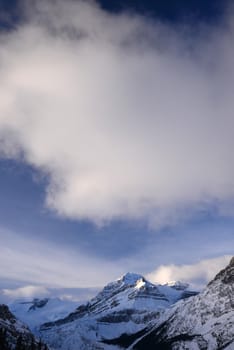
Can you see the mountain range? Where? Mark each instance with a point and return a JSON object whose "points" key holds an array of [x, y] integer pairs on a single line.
{"points": [[132, 313]]}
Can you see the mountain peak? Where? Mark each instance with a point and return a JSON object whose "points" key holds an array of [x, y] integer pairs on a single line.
{"points": [[131, 278], [232, 262], [5, 313], [226, 275]]}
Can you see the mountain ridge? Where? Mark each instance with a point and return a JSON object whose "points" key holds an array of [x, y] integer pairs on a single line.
{"points": [[205, 321], [129, 304], [16, 335]]}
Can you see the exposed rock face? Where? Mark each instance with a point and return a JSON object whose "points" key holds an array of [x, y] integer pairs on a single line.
{"points": [[226, 275], [5, 314], [38, 303], [14, 335]]}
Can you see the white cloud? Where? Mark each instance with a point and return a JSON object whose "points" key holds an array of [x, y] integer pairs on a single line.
{"points": [[8, 295], [26, 292], [197, 274], [122, 115]]}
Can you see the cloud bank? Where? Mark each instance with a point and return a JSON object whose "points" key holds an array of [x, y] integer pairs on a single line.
{"points": [[198, 274], [128, 118]]}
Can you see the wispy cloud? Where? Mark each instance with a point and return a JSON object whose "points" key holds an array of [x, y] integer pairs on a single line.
{"points": [[7, 295], [34, 263], [26, 291], [198, 274], [123, 115]]}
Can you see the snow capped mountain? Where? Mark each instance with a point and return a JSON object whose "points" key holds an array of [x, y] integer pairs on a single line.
{"points": [[205, 321], [35, 312], [16, 335], [132, 313], [127, 305]]}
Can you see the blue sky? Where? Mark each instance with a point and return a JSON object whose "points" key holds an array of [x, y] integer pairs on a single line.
{"points": [[116, 141]]}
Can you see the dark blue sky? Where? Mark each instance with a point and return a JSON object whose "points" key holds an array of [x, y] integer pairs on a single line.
{"points": [[174, 11], [164, 9], [119, 245]]}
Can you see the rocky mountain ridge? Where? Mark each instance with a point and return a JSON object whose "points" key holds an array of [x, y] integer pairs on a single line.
{"points": [[14, 335], [203, 322]]}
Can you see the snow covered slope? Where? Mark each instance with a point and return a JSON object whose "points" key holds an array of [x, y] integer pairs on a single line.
{"points": [[204, 322], [127, 305], [35, 312], [14, 334]]}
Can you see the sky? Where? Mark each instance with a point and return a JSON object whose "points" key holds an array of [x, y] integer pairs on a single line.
{"points": [[116, 142]]}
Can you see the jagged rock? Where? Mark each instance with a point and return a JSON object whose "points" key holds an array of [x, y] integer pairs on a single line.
{"points": [[226, 275]]}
